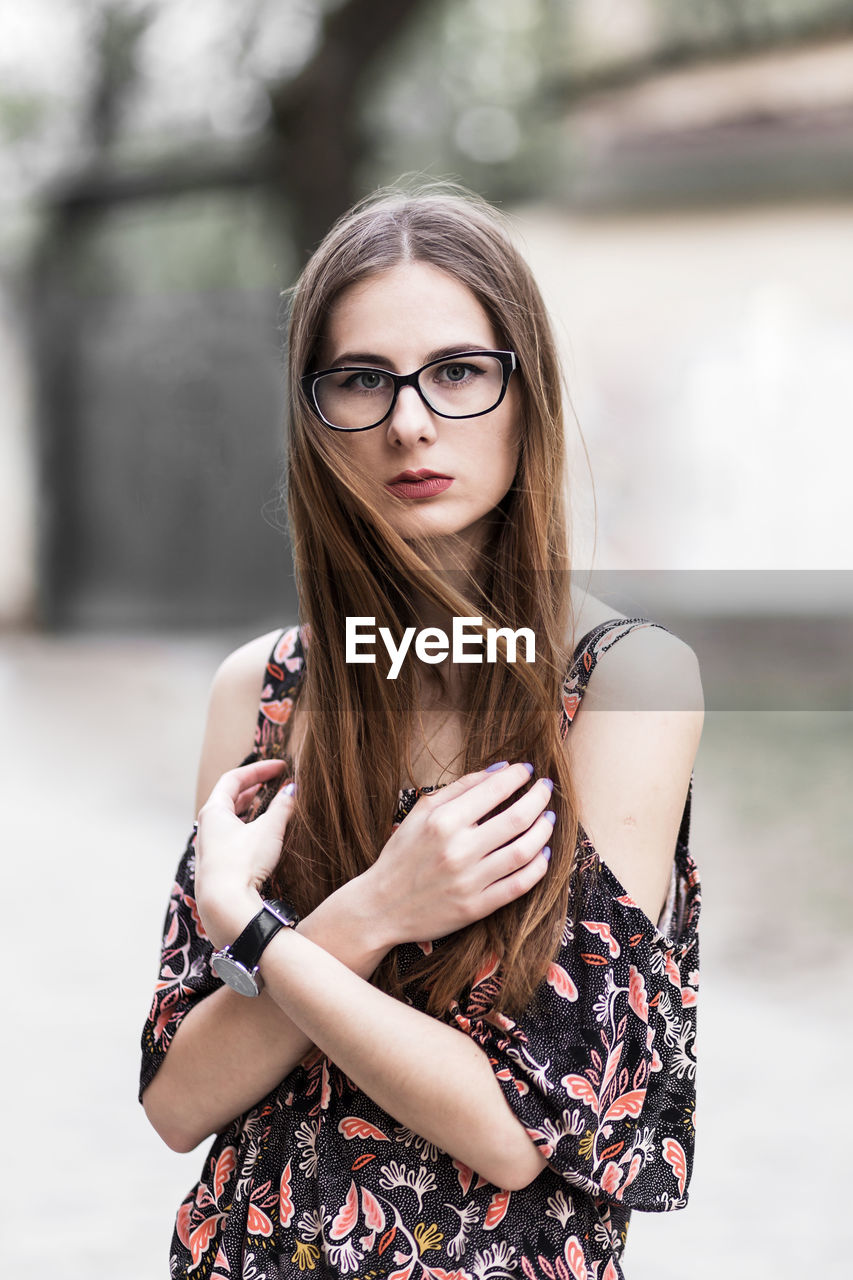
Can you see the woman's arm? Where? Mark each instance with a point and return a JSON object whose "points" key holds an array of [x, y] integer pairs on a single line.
{"points": [[632, 749], [427, 1075], [445, 865], [441, 869], [229, 1052]]}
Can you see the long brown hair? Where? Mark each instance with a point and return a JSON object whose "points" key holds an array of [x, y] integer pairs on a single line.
{"points": [[349, 561]]}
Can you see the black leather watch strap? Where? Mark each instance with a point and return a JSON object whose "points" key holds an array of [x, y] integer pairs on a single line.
{"points": [[248, 948]]}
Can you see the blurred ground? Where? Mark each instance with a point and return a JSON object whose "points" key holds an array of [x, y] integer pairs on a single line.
{"points": [[98, 756]]}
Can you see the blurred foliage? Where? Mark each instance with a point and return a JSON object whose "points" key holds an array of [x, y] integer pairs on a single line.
{"points": [[461, 95], [22, 116]]}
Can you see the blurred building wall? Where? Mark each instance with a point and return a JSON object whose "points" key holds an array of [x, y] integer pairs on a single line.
{"points": [[707, 363]]}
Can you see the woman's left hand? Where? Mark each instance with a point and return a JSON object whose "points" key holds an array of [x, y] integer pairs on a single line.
{"points": [[235, 857]]}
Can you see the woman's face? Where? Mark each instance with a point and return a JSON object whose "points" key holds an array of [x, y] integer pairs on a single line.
{"points": [[400, 320]]}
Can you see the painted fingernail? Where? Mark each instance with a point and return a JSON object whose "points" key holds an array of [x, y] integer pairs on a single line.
{"points": [[289, 789], [546, 853], [548, 783], [493, 768], [530, 769], [550, 815]]}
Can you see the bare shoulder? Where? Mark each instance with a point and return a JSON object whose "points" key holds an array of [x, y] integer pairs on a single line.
{"points": [[632, 745], [232, 711], [649, 669]]}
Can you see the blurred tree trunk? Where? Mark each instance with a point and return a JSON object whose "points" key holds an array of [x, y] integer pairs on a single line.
{"points": [[315, 116], [117, 35]]}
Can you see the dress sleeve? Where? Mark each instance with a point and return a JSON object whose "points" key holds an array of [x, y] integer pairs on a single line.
{"points": [[599, 1068], [185, 975]]}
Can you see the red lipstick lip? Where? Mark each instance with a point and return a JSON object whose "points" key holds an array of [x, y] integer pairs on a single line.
{"points": [[414, 485], [423, 474]]}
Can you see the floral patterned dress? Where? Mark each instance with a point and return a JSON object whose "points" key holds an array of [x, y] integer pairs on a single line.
{"points": [[317, 1181]]}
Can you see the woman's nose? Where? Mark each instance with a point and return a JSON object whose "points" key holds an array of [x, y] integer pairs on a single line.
{"points": [[411, 419]]}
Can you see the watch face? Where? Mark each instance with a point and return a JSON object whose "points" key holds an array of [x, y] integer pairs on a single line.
{"points": [[234, 974]]}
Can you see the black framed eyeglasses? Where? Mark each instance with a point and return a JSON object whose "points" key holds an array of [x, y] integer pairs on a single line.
{"points": [[358, 397]]}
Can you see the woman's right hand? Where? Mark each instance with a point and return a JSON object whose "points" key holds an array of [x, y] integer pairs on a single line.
{"points": [[443, 868]]}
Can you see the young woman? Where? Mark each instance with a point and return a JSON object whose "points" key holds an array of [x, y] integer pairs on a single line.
{"points": [[470, 1051]]}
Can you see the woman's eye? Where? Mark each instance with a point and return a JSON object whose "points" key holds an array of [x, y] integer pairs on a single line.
{"points": [[456, 372], [365, 380]]}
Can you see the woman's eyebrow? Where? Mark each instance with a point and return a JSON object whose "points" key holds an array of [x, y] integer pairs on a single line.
{"points": [[360, 357], [371, 357], [455, 350]]}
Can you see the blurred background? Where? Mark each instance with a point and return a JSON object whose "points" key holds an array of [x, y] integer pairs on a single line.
{"points": [[681, 178]]}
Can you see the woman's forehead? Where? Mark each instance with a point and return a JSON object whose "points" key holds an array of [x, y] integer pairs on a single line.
{"points": [[405, 313]]}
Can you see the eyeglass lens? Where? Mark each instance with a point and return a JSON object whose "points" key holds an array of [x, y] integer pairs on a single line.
{"points": [[357, 398]]}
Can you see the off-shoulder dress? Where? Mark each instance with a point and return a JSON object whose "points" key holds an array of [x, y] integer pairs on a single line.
{"points": [[316, 1180]]}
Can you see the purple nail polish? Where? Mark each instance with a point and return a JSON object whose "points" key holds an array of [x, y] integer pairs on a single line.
{"points": [[493, 768], [548, 783], [550, 815], [530, 769], [290, 788], [546, 853]]}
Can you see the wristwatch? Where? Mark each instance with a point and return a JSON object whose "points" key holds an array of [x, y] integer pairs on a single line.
{"points": [[237, 964]]}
